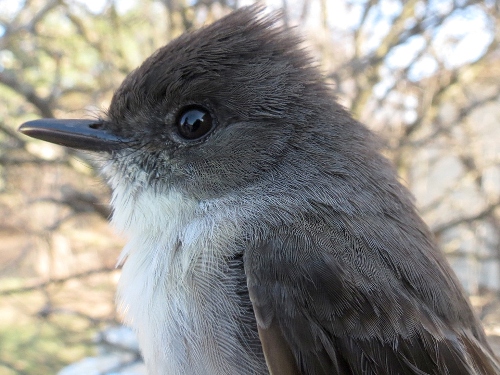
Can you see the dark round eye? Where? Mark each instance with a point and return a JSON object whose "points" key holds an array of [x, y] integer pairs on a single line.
{"points": [[194, 122]]}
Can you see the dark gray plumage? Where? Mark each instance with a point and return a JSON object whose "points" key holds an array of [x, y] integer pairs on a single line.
{"points": [[264, 223]]}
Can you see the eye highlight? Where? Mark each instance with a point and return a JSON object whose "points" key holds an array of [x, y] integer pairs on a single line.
{"points": [[194, 122]]}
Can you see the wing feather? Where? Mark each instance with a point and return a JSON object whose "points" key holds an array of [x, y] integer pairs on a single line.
{"points": [[327, 302]]}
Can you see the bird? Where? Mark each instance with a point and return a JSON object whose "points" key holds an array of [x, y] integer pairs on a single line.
{"points": [[267, 233]]}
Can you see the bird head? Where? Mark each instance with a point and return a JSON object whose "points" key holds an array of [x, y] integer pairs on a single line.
{"points": [[212, 111], [218, 109]]}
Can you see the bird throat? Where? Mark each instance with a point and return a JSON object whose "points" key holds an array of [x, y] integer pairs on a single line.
{"points": [[178, 288]]}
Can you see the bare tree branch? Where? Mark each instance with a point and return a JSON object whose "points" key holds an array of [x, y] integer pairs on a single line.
{"points": [[62, 280], [466, 220], [10, 80]]}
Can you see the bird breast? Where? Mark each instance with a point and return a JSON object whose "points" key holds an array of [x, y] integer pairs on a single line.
{"points": [[179, 290]]}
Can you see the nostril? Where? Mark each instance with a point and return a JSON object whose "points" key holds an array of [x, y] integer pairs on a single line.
{"points": [[97, 125]]}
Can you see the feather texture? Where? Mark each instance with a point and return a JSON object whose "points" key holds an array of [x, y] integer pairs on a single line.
{"points": [[352, 314]]}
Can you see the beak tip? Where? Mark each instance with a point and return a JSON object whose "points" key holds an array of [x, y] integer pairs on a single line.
{"points": [[22, 128], [25, 128]]}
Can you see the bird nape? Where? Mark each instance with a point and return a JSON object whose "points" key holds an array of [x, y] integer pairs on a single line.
{"points": [[267, 234]]}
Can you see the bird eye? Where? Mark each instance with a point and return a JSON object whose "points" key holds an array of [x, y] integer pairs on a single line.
{"points": [[194, 122]]}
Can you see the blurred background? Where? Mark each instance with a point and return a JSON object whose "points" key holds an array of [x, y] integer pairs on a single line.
{"points": [[423, 74]]}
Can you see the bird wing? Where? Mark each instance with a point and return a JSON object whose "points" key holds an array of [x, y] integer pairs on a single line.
{"points": [[322, 307]]}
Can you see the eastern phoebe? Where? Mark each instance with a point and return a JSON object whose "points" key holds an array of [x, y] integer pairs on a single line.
{"points": [[267, 234]]}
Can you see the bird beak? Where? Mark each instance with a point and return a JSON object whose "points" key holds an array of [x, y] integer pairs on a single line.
{"points": [[81, 134]]}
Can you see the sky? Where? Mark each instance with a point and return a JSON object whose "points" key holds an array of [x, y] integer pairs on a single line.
{"points": [[470, 26]]}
